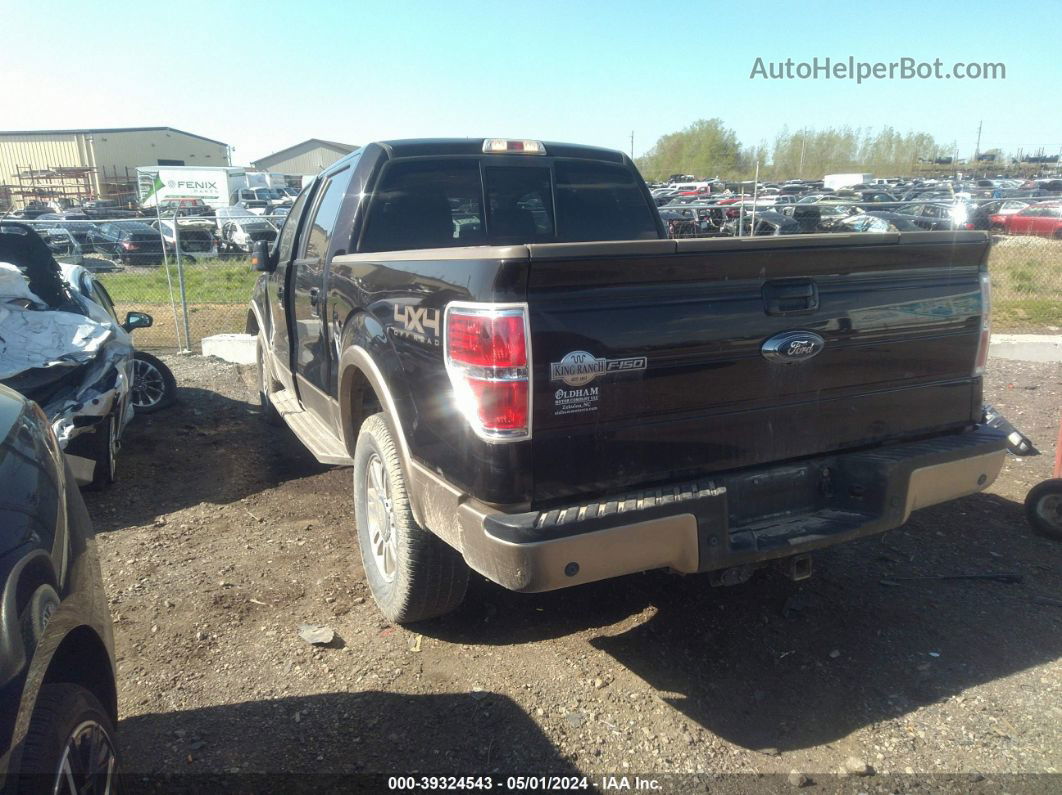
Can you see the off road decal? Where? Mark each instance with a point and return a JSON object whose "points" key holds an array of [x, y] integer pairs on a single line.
{"points": [[418, 323]]}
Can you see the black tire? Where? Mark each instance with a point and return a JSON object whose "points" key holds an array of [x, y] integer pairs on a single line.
{"points": [[269, 411], [424, 577], [105, 452], [66, 720], [154, 387], [1043, 508]]}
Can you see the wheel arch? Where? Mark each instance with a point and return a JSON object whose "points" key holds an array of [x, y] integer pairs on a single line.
{"points": [[364, 391], [82, 659]]}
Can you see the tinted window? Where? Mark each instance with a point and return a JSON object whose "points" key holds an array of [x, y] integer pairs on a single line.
{"points": [[519, 205], [324, 219], [287, 235], [426, 205], [598, 201]]}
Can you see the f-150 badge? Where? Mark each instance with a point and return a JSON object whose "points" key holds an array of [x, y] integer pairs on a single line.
{"points": [[579, 367], [792, 347]]}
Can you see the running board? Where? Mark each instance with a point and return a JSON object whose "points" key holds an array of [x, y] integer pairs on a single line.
{"points": [[313, 433]]}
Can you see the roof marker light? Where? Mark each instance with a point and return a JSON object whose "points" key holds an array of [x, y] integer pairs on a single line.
{"points": [[512, 147]]}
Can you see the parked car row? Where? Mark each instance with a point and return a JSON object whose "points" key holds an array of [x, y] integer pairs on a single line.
{"points": [[707, 216], [141, 241]]}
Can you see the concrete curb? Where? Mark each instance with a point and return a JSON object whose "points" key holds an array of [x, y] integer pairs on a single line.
{"points": [[1026, 347], [235, 348]]}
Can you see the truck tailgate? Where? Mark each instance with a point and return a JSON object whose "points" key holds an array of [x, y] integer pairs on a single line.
{"points": [[649, 364]]}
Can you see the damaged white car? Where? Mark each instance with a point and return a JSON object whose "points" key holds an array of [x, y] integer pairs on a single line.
{"points": [[66, 353]]}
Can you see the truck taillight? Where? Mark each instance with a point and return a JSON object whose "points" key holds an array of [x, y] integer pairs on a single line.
{"points": [[488, 359], [986, 325]]}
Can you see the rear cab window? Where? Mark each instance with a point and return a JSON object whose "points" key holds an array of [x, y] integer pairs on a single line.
{"points": [[469, 201]]}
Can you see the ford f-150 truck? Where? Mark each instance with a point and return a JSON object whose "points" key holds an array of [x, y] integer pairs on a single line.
{"points": [[531, 381]]}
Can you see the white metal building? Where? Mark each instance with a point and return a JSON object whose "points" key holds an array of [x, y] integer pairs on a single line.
{"points": [[91, 163], [307, 159]]}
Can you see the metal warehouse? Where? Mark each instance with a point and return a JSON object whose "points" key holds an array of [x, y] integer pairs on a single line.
{"points": [[71, 165], [309, 158]]}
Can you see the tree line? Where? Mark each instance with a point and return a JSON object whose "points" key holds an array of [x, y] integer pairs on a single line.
{"points": [[707, 148]]}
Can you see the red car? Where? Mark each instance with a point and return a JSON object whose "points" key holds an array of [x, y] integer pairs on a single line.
{"points": [[1043, 219]]}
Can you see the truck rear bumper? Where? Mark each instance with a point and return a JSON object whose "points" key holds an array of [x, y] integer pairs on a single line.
{"points": [[727, 520]]}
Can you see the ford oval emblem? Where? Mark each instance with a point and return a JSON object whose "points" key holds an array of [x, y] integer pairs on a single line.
{"points": [[791, 347]]}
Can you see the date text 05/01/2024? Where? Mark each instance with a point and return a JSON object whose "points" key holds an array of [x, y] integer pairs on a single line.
{"points": [[522, 783]]}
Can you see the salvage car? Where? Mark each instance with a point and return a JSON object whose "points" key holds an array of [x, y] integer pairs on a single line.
{"points": [[604, 400], [762, 223], [73, 221], [1043, 219], [59, 240], [198, 236], [989, 215], [240, 229], [939, 216], [127, 242], [876, 222], [58, 698], [154, 387], [66, 353]]}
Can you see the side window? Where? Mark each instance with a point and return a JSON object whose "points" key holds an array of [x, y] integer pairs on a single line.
{"points": [[426, 204], [286, 241], [324, 218]]}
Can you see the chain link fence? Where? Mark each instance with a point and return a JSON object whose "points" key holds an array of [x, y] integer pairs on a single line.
{"points": [[192, 274], [1026, 274]]}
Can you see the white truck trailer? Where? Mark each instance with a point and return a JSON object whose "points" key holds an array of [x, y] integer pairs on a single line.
{"points": [[211, 184]]}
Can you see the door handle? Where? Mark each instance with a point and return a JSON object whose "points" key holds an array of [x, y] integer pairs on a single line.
{"points": [[790, 297]]}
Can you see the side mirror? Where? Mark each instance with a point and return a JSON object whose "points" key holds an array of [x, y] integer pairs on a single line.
{"points": [[260, 260], [137, 320]]}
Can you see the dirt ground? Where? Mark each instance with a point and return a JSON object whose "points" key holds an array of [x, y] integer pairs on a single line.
{"points": [[223, 536]]}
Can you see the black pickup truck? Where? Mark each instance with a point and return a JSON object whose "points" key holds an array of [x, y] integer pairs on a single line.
{"points": [[530, 380]]}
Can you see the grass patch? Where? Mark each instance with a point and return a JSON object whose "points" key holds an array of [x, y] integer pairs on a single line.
{"points": [[1026, 314], [211, 281], [1026, 283]]}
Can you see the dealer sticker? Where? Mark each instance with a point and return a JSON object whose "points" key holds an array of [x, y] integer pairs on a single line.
{"points": [[575, 401]]}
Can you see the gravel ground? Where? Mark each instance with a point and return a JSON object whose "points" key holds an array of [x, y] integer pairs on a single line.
{"points": [[223, 536]]}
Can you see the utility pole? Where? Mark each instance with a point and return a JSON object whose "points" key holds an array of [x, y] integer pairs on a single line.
{"points": [[803, 143], [632, 144], [977, 149]]}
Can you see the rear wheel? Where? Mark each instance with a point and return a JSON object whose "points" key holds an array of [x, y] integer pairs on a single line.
{"points": [[413, 575], [70, 746], [1043, 508], [154, 386]]}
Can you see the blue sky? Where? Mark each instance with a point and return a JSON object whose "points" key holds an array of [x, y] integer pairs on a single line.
{"points": [[262, 76]]}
